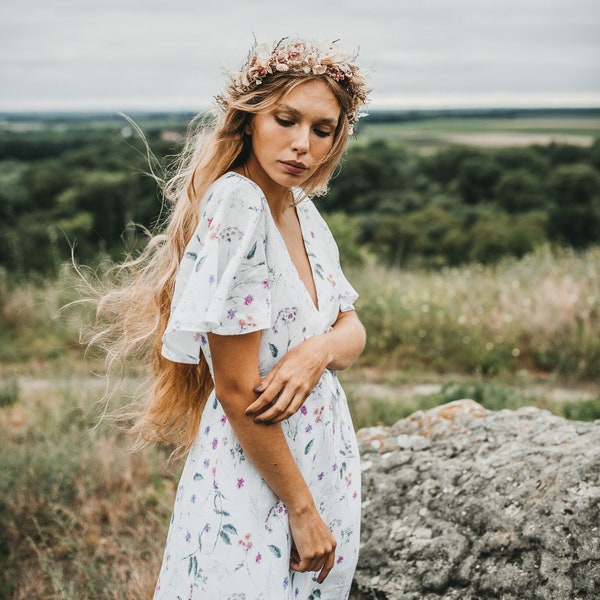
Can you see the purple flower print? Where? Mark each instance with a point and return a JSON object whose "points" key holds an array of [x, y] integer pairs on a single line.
{"points": [[231, 313], [215, 443], [258, 557], [211, 279], [285, 315], [240, 482], [303, 409], [206, 463], [308, 428], [206, 528], [249, 299], [321, 475], [188, 537], [340, 559], [223, 419], [265, 284]]}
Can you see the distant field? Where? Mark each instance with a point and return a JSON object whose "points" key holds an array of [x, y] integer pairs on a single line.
{"points": [[429, 134]]}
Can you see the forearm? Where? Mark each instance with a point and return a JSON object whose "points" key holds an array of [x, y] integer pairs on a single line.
{"points": [[267, 449], [343, 344]]}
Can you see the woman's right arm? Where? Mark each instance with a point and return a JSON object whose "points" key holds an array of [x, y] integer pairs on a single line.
{"points": [[267, 448]]}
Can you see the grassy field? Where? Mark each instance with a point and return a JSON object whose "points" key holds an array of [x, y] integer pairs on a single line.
{"points": [[82, 518], [430, 134]]}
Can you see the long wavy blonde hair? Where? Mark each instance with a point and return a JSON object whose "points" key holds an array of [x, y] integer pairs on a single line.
{"points": [[133, 311]]}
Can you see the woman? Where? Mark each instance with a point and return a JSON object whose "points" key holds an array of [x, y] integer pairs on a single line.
{"points": [[249, 295]]}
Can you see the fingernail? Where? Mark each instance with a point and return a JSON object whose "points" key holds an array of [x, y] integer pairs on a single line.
{"points": [[259, 388]]}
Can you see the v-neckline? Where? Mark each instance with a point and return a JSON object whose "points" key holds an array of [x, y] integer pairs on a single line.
{"points": [[317, 305]]}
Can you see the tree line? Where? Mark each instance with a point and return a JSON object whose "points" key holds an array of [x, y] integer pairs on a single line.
{"points": [[83, 186]]}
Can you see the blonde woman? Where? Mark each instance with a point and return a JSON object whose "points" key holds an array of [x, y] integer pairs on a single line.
{"points": [[250, 316]]}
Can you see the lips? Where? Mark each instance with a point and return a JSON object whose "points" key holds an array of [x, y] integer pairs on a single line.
{"points": [[294, 167]]}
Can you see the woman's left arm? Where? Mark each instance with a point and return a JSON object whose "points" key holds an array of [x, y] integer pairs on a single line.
{"points": [[285, 388]]}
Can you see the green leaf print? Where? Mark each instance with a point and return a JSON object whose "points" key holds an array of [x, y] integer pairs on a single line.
{"points": [[193, 566], [199, 263], [309, 446], [198, 477], [275, 550], [252, 251], [225, 537], [230, 528], [273, 349]]}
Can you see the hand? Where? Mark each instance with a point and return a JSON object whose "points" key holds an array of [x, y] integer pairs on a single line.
{"points": [[313, 547], [286, 387]]}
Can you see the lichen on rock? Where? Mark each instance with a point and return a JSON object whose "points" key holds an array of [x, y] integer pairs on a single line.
{"points": [[463, 502]]}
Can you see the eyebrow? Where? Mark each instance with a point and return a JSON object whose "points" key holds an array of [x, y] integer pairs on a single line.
{"points": [[296, 113]]}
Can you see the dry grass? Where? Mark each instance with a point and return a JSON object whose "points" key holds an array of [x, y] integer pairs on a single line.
{"points": [[540, 313], [81, 518]]}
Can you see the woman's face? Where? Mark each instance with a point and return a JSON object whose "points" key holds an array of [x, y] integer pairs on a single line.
{"points": [[291, 141]]}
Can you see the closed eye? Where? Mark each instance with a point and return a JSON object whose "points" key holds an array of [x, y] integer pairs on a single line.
{"points": [[284, 122], [322, 133]]}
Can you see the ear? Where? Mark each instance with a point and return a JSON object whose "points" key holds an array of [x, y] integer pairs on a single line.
{"points": [[248, 127]]}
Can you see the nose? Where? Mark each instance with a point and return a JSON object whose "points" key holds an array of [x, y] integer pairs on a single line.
{"points": [[301, 140]]}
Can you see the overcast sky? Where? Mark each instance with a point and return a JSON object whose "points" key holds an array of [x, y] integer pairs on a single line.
{"points": [[169, 54]]}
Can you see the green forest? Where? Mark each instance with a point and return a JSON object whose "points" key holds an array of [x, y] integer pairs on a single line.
{"points": [[83, 186]]}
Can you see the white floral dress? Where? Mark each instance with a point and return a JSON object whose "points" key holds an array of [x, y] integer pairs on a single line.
{"points": [[229, 536]]}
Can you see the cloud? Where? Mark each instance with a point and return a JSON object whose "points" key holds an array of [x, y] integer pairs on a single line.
{"points": [[146, 53]]}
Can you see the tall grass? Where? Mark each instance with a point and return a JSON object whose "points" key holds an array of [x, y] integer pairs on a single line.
{"points": [[80, 518], [31, 323], [539, 313]]}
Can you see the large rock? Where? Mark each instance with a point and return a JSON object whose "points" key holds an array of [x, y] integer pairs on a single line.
{"points": [[462, 502]]}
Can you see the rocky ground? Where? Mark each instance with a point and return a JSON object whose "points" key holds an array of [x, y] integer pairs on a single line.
{"points": [[461, 502]]}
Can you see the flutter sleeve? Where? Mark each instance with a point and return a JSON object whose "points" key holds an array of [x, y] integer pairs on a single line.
{"points": [[222, 285]]}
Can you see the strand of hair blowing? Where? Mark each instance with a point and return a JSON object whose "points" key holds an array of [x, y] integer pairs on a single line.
{"points": [[133, 311]]}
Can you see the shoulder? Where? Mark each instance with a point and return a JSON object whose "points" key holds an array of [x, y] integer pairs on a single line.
{"points": [[234, 191]]}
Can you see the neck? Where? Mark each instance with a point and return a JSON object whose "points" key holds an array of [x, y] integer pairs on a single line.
{"points": [[280, 198]]}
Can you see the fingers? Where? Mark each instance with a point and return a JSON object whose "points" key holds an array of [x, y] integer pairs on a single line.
{"points": [[281, 398], [320, 562], [327, 568], [283, 408]]}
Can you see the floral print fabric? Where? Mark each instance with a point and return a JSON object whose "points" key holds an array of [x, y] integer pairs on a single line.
{"points": [[229, 536]]}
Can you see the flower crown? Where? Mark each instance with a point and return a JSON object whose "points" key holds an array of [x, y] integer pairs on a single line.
{"points": [[302, 58]]}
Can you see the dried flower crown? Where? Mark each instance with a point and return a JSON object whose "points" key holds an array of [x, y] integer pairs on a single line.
{"points": [[303, 58]]}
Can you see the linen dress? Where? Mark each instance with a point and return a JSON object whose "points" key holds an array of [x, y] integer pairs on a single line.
{"points": [[229, 536]]}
